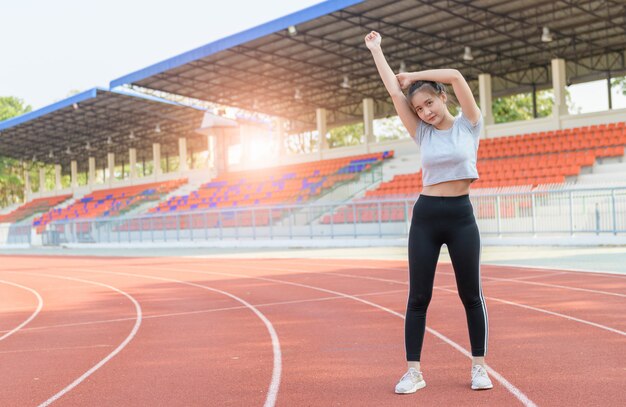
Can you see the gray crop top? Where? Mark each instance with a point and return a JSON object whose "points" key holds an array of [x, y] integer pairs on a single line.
{"points": [[450, 154]]}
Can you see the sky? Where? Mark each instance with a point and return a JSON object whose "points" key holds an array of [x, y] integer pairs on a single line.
{"points": [[51, 48]]}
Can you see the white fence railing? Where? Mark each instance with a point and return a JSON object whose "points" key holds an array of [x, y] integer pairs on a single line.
{"points": [[567, 212]]}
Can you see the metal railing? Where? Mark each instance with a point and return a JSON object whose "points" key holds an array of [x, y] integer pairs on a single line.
{"points": [[567, 212]]}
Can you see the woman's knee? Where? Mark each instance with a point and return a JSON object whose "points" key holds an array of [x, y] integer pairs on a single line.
{"points": [[418, 302], [471, 300]]}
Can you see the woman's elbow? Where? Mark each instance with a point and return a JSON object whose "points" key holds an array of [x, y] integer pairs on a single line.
{"points": [[456, 74]]}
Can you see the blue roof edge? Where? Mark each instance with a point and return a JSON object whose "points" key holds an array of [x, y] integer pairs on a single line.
{"points": [[139, 95], [242, 37], [80, 97]]}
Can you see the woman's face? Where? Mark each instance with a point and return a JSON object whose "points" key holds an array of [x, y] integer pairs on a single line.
{"points": [[430, 107]]}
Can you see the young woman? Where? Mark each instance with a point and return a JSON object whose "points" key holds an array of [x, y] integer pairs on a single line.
{"points": [[443, 212]]}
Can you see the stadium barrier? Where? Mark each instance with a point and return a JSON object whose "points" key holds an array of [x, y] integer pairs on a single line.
{"points": [[540, 213]]}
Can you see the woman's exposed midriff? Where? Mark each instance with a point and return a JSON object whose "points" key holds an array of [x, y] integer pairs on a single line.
{"points": [[448, 188]]}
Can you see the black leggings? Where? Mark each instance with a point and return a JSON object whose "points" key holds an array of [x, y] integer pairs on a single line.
{"points": [[450, 220]]}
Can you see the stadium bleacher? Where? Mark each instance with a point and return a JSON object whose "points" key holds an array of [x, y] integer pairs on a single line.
{"points": [[279, 185], [530, 159], [109, 202], [293, 184], [33, 207]]}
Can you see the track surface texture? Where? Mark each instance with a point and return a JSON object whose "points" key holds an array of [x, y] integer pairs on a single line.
{"points": [[181, 331]]}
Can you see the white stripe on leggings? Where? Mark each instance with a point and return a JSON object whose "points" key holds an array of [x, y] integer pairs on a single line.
{"points": [[480, 286]]}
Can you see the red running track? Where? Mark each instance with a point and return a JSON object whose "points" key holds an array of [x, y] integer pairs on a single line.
{"points": [[78, 331]]}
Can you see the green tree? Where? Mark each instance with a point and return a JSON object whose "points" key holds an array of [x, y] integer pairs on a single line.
{"points": [[11, 106], [349, 135], [520, 106], [389, 128], [11, 183], [619, 83]]}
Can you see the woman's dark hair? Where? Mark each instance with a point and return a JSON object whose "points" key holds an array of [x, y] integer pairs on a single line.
{"points": [[436, 88]]}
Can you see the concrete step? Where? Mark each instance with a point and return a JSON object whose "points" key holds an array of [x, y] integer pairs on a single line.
{"points": [[615, 168], [182, 190], [10, 208], [602, 178], [407, 164]]}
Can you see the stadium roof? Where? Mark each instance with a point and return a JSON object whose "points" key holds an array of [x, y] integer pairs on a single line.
{"points": [[262, 68], [98, 121]]}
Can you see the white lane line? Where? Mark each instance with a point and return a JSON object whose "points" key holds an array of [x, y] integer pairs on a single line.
{"points": [[542, 269], [545, 269], [53, 349], [571, 318], [117, 350], [486, 278], [582, 321], [272, 392], [538, 275], [32, 316], [588, 290], [208, 310], [509, 386]]}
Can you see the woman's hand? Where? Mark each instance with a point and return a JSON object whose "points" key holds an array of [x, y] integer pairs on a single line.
{"points": [[372, 40], [404, 79]]}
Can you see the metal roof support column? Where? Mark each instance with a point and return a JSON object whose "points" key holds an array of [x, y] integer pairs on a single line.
{"points": [[156, 160], [74, 173], [111, 168], [132, 159], [322, 144], [608, 85], [223, 137], [486, 101], [246, 134], [182, 154], [91, 175], [42, 180], [27, 189], [559, 81], [211, 142], [282, 150], [57, 177], [368, 122]]}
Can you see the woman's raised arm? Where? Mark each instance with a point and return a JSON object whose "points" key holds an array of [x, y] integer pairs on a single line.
{"points": [[408, 117]]}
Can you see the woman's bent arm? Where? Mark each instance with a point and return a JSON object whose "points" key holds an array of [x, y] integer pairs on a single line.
{"points": [[461, 88]]}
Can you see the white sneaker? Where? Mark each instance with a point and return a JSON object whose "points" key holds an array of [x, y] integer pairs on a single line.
{"points": [[480, 379], [411, 382]]}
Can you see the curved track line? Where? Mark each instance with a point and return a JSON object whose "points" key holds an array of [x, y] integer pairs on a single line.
{"points": [[490, 278], [509, 386], [571, 318], [31, 317], [272, 392], [582, 321], [205, 311], [121, 346]]}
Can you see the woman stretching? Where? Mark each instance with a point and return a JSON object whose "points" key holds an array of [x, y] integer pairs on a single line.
{"points": [[443, 212]]}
